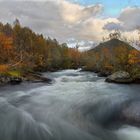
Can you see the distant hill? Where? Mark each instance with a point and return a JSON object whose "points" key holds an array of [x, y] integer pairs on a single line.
{"points": [[112, 55], [111, 45]]}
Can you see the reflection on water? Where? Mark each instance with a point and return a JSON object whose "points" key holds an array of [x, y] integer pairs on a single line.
{"points": [[77, 106]]}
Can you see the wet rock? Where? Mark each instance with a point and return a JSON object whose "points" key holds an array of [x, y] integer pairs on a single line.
{"points": [[137, 80], [119, 77], [15, 80], [104, 74], [35, 77], [6, 79]]}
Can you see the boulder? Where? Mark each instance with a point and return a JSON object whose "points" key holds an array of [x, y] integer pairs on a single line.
{"points": [[137, 79], [35, 77], [119, 77], [6, 79], [15, 80]]}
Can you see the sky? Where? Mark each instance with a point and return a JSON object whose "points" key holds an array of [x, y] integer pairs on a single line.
{"points": [[84, 22], [111, 7]]}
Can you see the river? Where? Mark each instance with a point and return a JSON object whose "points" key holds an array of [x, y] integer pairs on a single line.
{"points": [[76, 106]]}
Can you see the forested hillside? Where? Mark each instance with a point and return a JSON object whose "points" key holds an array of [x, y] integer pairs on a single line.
{"points": [[111, 56], [22, 49]]}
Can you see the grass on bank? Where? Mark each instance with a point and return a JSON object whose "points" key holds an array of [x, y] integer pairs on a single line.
{"points": [[6, 70]]}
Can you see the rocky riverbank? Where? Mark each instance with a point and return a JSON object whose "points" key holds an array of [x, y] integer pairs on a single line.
{"points": [[30, 77], [120, 77], [5, 79]]}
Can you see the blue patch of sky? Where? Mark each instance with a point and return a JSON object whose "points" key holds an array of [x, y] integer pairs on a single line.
{"points": [[111, 7]]}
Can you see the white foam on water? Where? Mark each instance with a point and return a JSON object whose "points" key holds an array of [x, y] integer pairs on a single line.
{"points": [[73, 93], [128, 133]]}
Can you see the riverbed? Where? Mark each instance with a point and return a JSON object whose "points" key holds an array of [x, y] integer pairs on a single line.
{"points": [[76, 106]]}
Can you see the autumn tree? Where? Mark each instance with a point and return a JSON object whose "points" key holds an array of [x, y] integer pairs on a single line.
{"points": [[134, 62], [30, 51], [121, 58]]}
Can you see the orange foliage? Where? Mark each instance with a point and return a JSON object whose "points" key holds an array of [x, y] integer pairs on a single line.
{"points": [[105, 52], [4, 68], [74, 55], [121, 57], [134, 57], [97, 56], [6, 41]]}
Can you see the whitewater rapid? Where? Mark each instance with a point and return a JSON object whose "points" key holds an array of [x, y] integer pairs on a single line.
{"points": [[76, 106]]}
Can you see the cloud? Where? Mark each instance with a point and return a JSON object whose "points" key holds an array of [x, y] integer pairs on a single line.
{"points": [[93, 28], [56, 18], [129, 20], [130, 17], [113, 26], [73, 13]]}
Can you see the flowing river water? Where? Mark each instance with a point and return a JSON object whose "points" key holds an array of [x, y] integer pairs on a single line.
{"points": [[76, 106]]}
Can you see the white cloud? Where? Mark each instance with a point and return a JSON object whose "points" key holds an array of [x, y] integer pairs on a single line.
{"points": [[130, 17], [129, 20], [113, 26], [73, 13], [93, 28]]}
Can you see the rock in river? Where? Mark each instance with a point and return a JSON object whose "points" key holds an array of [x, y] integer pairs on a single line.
{"points": [[119, 77], [104, 73], [5, 79]]}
